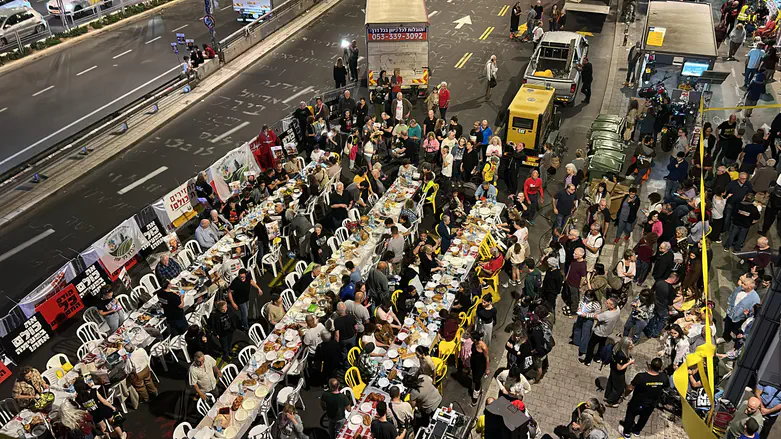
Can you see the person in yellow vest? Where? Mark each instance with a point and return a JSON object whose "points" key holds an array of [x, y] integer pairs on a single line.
{"points": [[491, 170]]}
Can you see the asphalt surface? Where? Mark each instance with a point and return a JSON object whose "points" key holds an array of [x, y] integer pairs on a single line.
{"points": [[53, 97], [265, 93]]}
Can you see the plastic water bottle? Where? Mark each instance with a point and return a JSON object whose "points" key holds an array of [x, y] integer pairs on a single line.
{"points": [[254, 363], [241, 389]]}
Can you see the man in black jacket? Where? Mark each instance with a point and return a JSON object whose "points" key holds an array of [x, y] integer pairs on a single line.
{"points": [[664, 294], [222, 324], [664, 262], [627, 214], [306, 279], [551, 285]]}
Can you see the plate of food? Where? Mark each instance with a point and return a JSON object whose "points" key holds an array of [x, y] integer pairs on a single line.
{"points": [[402, 336], [271, 355], [393, 353], [249, 404], [261, 391], [367, 407], [241, 415], [383, 382], [409, 321], [436, 277], [409, 362], [388, 364], [250, 383], [288, 355], [419, 305], [274, 378], [291, 344]]}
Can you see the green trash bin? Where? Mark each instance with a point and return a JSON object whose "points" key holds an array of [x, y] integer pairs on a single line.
{"points": [[602, 165], [614, 118], [611, 145], [618, 156], [606, 126]]}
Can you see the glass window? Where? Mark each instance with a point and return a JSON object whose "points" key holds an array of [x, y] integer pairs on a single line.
{"points": [[523, 123]]}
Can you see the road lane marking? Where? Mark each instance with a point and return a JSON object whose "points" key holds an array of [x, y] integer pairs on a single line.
{"points": [[179, 28], [226, 7], [461, 62], [123, 53], [85, 71], [229, 132], [304, 91], [26, 244], [3, 109], [503, 11], [153, 40], [43, 91], [143, 180], [462, 21], [433, 13], [486, 33], [81, 119]]}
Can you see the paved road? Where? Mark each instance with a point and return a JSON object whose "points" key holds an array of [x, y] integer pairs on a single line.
{"points": [[53, 97], [265, 92]]}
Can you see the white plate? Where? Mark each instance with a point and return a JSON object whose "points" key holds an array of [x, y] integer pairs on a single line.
{"points": [[261, 391], [383, 382], [402, 336], [273, 337], [241, 415], [408, 363], [409, 321], [424, 341], [292, 344], [430, 294], [419, 305], [436, 277], [289, 355], [461, 270], [387, 364], [456, 241], [393, 353], [274, 377], [474, 248], [433, 327], [235, 388], [455, 284], [271, 355], [356, 419], [249, 404], [230, 432], [307, 300], [367, 407], [206, 433]]}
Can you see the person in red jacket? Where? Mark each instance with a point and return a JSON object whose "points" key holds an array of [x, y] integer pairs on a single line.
{"points": [[261, 148], [444, 100], [535, 195]]}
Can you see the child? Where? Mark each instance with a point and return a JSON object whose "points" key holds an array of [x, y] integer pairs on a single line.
{"points": [[750, 429], [733, 171]]}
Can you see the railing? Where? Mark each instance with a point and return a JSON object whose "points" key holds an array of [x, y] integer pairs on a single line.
{"points": [[16, 42]]}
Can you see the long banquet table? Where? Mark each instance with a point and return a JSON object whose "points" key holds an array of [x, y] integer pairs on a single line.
{"points": [[281, 352]]}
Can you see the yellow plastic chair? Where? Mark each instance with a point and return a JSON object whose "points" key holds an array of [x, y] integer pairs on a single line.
{"points": [[360, 342], [490, 280], [338, 157], [353, 379], [440, 370], [352, 355], [394, 298], [446, 349], [432, 198], [464, 319], [459, 336]]}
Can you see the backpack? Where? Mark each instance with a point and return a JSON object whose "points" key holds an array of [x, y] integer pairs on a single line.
{"points": [[606, 354], [547, 338]]}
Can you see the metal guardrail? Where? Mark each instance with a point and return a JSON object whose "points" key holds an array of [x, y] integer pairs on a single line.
{"points": [[16, 42], [235, 44]]}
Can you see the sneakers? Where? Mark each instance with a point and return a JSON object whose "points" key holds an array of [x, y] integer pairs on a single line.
{"points": [[616, 241], [505, 285], [720, 340], [626, 238]]}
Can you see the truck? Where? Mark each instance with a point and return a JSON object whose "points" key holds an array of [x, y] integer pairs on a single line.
{"points": [[601, 7], [251, 10], [554, 64], [397, 38]]}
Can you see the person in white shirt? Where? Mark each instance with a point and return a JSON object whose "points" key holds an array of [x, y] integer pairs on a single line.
{"points": [[447, 160], [593, 243], [494, 148], [141, 377], [537, 33], [626, 268], [317, 153], [206, 235], [313, 335], [512, 383], [491, 68]]}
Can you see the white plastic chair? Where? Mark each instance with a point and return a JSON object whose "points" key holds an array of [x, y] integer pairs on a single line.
{"points": [[50, 375], [285, 235], [205, 405], [56, 361], [89, 332], [91, 314], [266, 406], [252, 267], [288, 298], [186, 257], [229, 373], [193, 246], [158, 350], [114, 394], [264, 311], [246, 354], [180, 432], [373, 198], [341, 235], [272, 258], [299, 366], [178, 343], [301, 163], [257, 334], [261, 431], [137, 293], [150, 282], [289, 393], [126, 303], [349, 392], [301, 267], [291, 279], [85, 349], [334, 244], [8, 409], [147, 360], [354, 215]]}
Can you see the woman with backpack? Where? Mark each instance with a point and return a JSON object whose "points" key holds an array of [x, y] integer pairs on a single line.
{"points": [[642, 310], [619, 363], [581, 330], [541, 337]]}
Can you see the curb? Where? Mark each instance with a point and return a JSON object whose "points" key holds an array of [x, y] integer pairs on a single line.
{"points": [[60, 179], [13, 65], [618, 38]]}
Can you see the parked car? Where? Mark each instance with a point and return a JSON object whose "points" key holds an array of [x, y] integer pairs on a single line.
{"points": [[13, 4], [554, 64], [76, 8], [24, 21]]}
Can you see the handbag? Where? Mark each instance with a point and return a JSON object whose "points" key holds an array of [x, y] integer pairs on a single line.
{"points": [[492, 82]]}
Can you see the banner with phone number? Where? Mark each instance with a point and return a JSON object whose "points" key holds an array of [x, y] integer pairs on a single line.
{"points": [[396, 34]]}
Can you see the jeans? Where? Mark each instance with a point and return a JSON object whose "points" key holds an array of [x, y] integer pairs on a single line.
{"points": [[243, 319], [560, 219], [727, 217], [641, 272], [670, 186], [638, 324], [656, 324], [226, 342], [334, 426], [595, 341], [534, 206], [736, 237], [581, 333], [623, 227], [442, 112], [114, 320], [635, 410], [749, 76]]}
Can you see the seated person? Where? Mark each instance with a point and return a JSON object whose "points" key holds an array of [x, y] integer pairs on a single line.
{"points": [[488, 268], [385, 315], [368, 336], [446, 233], [449, 327], [424, 239], [275, 310], [233, 211], [405, 303], [486, 190], [28, 385]]}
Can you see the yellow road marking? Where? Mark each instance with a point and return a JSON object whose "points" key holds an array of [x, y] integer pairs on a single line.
{"points": [[460, 64], [486, 33], [503, 11], [277, 280], [584, 31]]}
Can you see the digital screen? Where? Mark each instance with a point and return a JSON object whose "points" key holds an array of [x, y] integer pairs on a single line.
{"points": [[694, 68]]}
